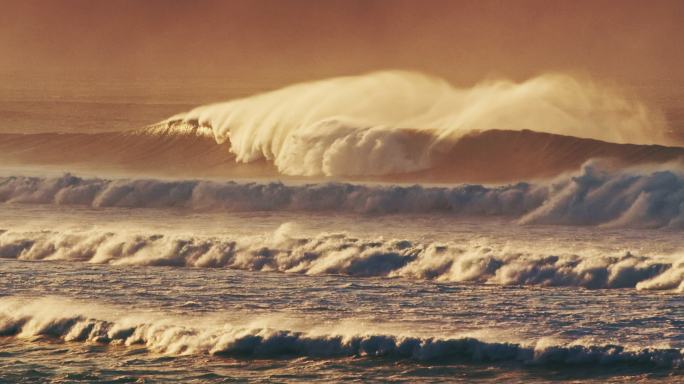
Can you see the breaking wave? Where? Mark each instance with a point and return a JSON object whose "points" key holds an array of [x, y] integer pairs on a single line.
{"points": [[597, 195], [77, 322], [339, 253], [385, 126], [396, 122]]}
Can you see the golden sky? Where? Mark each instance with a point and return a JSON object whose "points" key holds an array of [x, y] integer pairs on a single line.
{"points": [[292, 40]]}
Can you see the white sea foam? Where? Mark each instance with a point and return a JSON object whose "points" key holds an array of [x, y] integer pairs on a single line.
{"points": [[338, 253], [642, 198], [61, 319]]}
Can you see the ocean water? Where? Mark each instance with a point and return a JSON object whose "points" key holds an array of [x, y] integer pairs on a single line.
{"points": [[298, 236], [310, 296]]}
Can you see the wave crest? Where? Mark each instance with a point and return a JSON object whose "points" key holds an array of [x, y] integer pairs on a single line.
{"points": [[397, 122], [598, 195], [67, 321], [339, 253]]}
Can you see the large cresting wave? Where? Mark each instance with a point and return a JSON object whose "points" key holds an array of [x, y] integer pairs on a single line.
{"points": [[396, 122], [386, 126]]}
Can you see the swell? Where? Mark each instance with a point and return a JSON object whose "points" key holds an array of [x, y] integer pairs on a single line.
{"points": [[339, 253], [597, 195], [131, 152], [509, 156], [68, 322], [395, 122], [489, 156]]}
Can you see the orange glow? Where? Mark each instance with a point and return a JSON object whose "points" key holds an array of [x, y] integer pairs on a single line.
{"points": [[286, 41]]}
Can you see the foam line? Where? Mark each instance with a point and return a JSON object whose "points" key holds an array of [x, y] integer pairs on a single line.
{"points": [[338, 253], [59, 319]]}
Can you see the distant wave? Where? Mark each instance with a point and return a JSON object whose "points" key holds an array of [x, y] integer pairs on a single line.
{"points": [[339, 253], [597, 195], [77, 322], [385, 126]]}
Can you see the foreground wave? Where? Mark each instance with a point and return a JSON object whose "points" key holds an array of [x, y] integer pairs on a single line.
{"points": [[338, 253], [598, 195], [60, 319]]}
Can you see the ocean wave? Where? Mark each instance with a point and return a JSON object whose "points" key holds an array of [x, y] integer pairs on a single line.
{"points": [[276, 196], [60, 319], [394, 122], [492, 156], [597, 195], [385, 126], [339, 253], [183, 152]]}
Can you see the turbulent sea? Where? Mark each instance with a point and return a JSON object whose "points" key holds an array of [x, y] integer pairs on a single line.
{"points": [[380, 228]]}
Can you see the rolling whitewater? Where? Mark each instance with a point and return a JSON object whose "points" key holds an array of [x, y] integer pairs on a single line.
{"points": [[382, 227]]}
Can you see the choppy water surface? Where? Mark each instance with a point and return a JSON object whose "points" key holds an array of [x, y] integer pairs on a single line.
{"points": [[388, 227], [319, 297]]}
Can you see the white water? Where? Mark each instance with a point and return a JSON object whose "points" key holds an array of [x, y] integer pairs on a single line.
{"points": [[366, 125], [647, 197], [475, 261]]}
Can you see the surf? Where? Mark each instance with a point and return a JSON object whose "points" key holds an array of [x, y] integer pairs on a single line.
{"points": [[371, 124], [286, 251], [389, 126], [67, 321]]}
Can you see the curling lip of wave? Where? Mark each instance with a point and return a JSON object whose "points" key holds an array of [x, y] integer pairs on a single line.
{"points": [[390, 126], [598, 195], [338, 253], [68, 322], [367, 124]]}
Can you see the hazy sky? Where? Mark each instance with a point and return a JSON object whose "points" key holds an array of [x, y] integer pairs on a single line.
{"points": [[280, 41]]}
